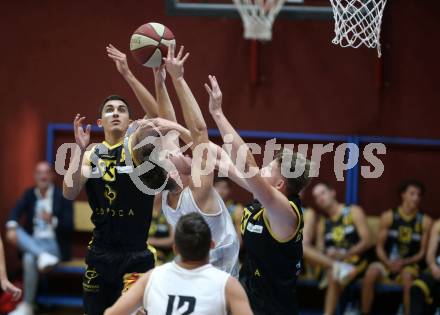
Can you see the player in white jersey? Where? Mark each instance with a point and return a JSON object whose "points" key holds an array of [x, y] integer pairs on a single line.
{"points": [[189, 286], [198, 193]]}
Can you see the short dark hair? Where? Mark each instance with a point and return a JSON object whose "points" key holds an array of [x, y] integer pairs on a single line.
{"points": [[411, 182], [113, 98], [154, 178], [295, 184], [219, 179], [192, 237]]}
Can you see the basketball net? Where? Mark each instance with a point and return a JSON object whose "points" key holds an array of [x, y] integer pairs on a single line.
{"points": [[358, 22], [258, 17]]}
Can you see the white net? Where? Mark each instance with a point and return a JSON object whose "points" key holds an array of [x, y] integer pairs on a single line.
{"points": [[258, 17], [358, 22]]}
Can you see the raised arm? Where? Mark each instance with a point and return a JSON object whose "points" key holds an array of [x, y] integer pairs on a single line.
{"points": [[282, 219], [223, 160], [202, 178], [166, 109], [74, 179], [144, 97]]}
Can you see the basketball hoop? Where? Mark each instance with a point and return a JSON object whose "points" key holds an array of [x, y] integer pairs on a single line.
{"points": [[258, 17], [358, 22]]}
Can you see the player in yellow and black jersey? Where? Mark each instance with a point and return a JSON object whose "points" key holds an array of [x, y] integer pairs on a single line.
{"points": [[271, 226], [344, 236], [121, 212], [401, 245], [425, 291]]}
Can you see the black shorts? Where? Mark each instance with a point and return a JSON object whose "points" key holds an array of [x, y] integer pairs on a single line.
{"points": [[425, 295], [265, 299], [108, 272]]}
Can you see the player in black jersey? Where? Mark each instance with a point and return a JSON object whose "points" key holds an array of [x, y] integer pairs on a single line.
{"points": [[344, 236], [271, 225], [401, 245], [121, 212], [425, 291]]}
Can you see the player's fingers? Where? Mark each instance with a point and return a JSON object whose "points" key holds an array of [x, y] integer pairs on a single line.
{"points": [[216, 85], [208, 89], [186, 57], [80, 121], [88, 128], [75, 120], [211, 80], [171, 51], [179, 55]]}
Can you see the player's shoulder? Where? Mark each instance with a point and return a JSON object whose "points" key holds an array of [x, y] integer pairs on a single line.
{"points": [[387, 216], [356, 210]]}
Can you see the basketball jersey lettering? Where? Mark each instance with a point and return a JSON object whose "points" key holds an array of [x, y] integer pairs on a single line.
{"points": [[188, 301]]}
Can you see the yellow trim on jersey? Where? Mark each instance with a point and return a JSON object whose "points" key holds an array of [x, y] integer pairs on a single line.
{"points": [[111, 147], [425, 289], [406, 217], [153, 250], [267, 223], [338, 216], [258, 214], [130, 149]]}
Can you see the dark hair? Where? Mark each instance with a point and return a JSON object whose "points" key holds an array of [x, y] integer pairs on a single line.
{"points": [[294, 184], [219, 179], [414, 183], [192, 237], [113, 98], [155, 177]]}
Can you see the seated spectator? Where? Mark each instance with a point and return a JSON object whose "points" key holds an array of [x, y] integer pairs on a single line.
{"points": [[161, 234], [425, 291], [345, 237], [314, 259], [48, 223], [401, 245], [4, 281]]}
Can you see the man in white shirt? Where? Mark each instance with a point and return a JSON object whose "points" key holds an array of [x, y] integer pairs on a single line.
{"points": [[189, 285]]}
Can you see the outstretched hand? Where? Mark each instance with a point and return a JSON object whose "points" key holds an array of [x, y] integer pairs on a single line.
{"points": [[82, 137], [12, 289], [174, 64], [215, 95], [120, 60]]}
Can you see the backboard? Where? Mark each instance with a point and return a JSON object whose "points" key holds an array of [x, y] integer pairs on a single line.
{"points": [[292, 9]]}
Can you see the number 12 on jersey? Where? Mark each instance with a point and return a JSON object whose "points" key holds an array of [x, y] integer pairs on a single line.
{"points": [[188, 301]]}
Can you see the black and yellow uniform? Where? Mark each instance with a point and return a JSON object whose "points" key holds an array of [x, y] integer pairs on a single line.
{"points": [[425, 291], [122, 216], [405, 238], [161, 229], [341, 234], [271, 266]]}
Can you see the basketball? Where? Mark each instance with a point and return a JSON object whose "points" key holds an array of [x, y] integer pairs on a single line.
{"points": [[149, 44]]}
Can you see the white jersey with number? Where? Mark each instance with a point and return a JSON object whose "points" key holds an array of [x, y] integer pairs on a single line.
{"points": [[227, 246], [173, 290]]}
